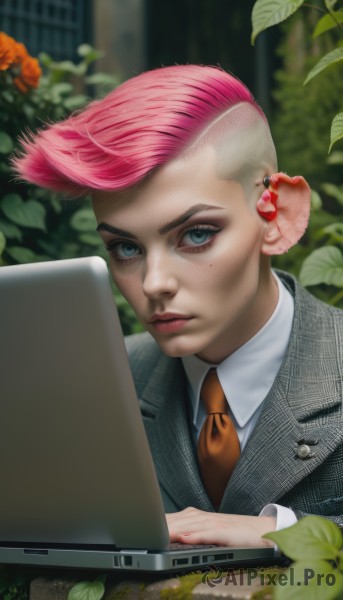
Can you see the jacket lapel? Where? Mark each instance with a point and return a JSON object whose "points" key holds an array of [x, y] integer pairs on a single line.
{"points": [[300, 406], [165, 413]]}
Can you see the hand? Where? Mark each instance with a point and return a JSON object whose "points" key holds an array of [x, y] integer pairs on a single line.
{"points": [[193, 526]]}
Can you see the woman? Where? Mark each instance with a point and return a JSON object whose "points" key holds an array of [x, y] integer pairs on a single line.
{"points": [[183, 175]]}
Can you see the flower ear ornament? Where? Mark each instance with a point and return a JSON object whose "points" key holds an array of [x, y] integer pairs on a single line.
{"points": [[287, 201]]}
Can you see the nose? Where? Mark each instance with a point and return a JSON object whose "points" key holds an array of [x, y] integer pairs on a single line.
{"points": [[159, 278]]}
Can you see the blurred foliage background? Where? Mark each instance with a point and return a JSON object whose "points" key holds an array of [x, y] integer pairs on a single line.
{"points": [[35, 225], [300, 123]]}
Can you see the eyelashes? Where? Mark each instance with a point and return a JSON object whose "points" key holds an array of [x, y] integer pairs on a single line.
{"points": [[200, 237], [196, 238]]}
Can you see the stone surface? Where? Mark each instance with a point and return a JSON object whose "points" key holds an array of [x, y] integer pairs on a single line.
{"points": [[47, 588], [231, 585], [57, 588]]}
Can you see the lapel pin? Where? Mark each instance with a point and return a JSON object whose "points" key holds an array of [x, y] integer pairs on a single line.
{"points": [[303, 448]]}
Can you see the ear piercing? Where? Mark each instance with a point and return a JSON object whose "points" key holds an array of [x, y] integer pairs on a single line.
{"points": [[266, 205]]}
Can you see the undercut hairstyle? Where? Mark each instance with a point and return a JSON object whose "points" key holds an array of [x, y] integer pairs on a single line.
{"points": [[114, 143]]}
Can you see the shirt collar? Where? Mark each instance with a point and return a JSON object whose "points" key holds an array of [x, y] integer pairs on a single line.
{"points": [[247, 374]]}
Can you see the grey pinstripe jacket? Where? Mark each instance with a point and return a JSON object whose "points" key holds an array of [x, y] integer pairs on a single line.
{"points": [[305, 403]]}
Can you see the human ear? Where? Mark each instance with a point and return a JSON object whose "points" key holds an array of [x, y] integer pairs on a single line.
{"points": [[285, 204]]}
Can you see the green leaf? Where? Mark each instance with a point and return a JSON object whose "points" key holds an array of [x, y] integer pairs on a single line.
{"points": [[336, 128], [29, 111], [102, 79], [316, 201], [84, 49], [89, 53], [10, 230], [8, 96], [335, 229], [27, 214], [45, 59], [336, 158], [2, 242], [5, 169], [6, 143], [23, 255], [309, 580], [271, 12], [75, 102], [314, 537], [61, 89], [324, 265], [91, 239], [334, 191], [67, 66], [83, 220], [328, 59], [330, 4], [328, 22], [87, 590]]}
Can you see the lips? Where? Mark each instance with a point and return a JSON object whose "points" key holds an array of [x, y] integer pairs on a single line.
{"points": [[168, 322], [166, 317]]}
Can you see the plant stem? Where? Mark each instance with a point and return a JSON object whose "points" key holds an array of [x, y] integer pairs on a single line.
{"points": [[324, 12]]}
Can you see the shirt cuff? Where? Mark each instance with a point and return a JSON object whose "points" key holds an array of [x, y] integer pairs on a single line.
{"points": [[284, 516]]}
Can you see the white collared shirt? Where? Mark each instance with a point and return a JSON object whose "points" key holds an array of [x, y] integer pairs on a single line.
{"points": [[242, 383]]}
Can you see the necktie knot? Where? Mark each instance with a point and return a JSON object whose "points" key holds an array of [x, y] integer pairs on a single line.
{"points": [[212, 395]]}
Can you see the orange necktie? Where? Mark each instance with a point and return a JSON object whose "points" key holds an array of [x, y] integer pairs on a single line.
{"points": [[218, 446]]}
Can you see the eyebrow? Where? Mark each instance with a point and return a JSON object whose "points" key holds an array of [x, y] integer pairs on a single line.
{"points": [[111, 229], [180, 220]]}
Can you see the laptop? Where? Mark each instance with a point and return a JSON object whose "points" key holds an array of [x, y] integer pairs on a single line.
{"points": [[78, 484]]}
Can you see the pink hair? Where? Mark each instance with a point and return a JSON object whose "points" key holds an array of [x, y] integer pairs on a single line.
{"points": [[115, 142]]}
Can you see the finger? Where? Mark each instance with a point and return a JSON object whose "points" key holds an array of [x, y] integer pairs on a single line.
{"points": [[209, 536]]}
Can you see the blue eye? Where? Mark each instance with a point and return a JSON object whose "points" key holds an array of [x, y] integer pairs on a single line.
{"points": [[126, 250], [123, 250], [198, 236]]}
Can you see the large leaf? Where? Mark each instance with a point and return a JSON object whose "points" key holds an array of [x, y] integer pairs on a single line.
{"points": [[309, 580], [316, 201], [334, 191], [6, 143], [324, 265], [2, 242], [335, 231], [24, 255], [75, 102], [10, 230], [267, 13], [91, 238], [83, 220], [336, 128], [330, 4], [336, 158], [26, 214], [87, 590], [328, 22], [314, 537], [328, 59]]}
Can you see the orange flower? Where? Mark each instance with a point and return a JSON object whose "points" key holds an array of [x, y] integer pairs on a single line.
{"points": [[29, 74], [7, 51], [20, 53]]}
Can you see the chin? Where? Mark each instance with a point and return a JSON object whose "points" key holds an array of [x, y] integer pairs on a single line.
{"points": [[177, 348]]}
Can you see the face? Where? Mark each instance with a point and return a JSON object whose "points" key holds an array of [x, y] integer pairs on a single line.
{"points": [[185, 251]]}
